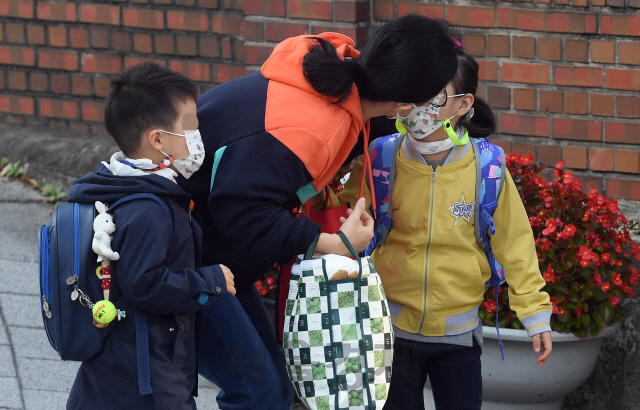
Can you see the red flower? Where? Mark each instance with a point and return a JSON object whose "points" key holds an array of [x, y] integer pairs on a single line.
{"points": [[616, 279], [269, 280], [597, 279], [262, 291], [579, 311], [549, 275], [605, 287], [569, 231], [490, 305], [615, 300]]}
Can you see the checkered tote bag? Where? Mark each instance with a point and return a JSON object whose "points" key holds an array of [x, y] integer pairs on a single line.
{"points": [[338, 337]]}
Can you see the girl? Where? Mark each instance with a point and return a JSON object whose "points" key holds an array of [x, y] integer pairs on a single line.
{"points": [[274, 139], [432, 269]]}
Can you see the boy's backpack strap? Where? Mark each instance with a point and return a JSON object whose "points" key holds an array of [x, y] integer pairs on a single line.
{"points": [[383, 153], [142, 333], [490, 168]]}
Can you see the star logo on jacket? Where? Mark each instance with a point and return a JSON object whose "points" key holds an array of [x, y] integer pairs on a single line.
{"points": [[461, 210]]}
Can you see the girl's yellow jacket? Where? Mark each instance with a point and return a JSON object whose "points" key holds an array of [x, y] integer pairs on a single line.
{"points": [[431, 265]]}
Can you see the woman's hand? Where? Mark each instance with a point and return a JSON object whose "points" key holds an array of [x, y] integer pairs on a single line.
{"points": [[545, 349]]}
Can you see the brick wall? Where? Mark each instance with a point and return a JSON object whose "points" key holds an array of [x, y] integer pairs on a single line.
{"points": [[562, 75]]}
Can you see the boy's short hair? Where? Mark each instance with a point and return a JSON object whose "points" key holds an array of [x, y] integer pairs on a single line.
{"points": [[144, 96]]}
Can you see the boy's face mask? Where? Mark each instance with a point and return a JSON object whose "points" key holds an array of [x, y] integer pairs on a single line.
{"points": [[187, 166]]}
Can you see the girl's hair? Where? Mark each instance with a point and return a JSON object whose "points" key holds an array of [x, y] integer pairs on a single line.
{"points": [[409, 59], [483, 122]]}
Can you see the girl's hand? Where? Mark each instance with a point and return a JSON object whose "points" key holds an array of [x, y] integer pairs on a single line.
{"points": [[358, 227], [545, 349]]}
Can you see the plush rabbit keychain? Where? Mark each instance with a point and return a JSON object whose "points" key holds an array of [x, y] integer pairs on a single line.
{"points": [[103, 227]]}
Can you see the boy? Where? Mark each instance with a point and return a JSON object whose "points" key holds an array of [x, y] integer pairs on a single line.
{"points": [[151, 114]]}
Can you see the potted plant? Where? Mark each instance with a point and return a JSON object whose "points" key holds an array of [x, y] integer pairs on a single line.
{"points": [[590, 264]]}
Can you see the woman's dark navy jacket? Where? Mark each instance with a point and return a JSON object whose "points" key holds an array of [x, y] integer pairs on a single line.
{"points": [[157, 277]]}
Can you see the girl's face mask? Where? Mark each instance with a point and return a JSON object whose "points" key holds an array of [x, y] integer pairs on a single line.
{"points": [[425, 120], [187, 166]]}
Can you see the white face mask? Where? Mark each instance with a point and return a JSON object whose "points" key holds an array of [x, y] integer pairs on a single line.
{"points": [[187, 166]]}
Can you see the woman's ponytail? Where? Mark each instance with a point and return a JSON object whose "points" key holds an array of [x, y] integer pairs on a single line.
{"points": [[327, 73], [482, 123]]}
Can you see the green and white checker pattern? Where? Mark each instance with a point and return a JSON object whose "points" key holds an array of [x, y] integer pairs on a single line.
{"points": [[338, 338]]}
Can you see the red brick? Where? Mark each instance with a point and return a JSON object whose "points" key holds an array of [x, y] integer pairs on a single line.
{"points": [[80, 85], [271, 8], [62, 60], [351, 11], [193, 70], [256, 55], [628, 161], [471, 16], [549, 154], [226, 24], [223, 72], [79, 38], [187, 46], [620, 24], [598, 2], [35, 34], [524, 99], [629, 52], [589, 182], [524, 47], [602, 105], [358, 34], [499, 97], [576, 102], [601, 159], [129, 61], [615, 3], [524, 73], [619, 79], [628, 106], [16, 105], [209, 47], [92, 63], [310, 9], [121, 41], [92, 112], [383, 10], [57, 36], [164, 44], [529, 125], [142, 43], [17, 80], [634, 4], [15, 33], [571, 22], [524, 149], [423, 9], [603, 51], [578, 76], [521, 19], [99, 38], [39, 82], [13, 8], [487, 70], [100, 14], [622, 132], [475, 45], [505, 145], [576, 157], [238, 50], [58, 108], [550, 49], [279, 31], [142, 18], [499, 46], [56, 11], [579, 3], [178, 20], [16, 56], [254, 30], [577, 51], [623, 189], [226, 48], [102, 86], [209, 4], [550, 101], [60, 84], [581, 130]]}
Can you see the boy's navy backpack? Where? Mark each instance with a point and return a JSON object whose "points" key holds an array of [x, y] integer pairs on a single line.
{"points": [[490, 160], [68, 264]]}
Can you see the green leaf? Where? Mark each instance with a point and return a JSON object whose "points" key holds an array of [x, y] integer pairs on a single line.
{"points": [[585, 293], [562, 287], [586, 321], [606, 312], [599, 294]]}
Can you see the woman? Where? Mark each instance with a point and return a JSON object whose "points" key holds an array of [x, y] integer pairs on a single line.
{"points": [[274, 139]]}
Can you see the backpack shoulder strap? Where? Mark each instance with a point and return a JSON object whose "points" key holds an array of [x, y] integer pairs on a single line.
{"points": [[134, 197], [383, 153], [490, 168]]}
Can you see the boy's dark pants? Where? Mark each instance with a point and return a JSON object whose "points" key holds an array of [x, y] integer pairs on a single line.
{"points": [[238, 352], [454, 373]]}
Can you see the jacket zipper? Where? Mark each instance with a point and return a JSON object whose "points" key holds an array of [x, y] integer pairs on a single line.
{"points": [[426, 267]]}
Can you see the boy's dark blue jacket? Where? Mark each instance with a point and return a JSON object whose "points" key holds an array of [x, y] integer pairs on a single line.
{"points": [[155, 276]]}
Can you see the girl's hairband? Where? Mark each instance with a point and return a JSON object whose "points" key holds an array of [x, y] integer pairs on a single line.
{"points": [[456, 42]]}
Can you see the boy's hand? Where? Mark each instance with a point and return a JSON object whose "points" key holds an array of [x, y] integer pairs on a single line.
{"points": [[228, 276], [545, 349], [358, 227]]}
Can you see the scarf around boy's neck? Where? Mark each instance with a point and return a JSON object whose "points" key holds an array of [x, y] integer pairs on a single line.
{"points": [[120, 165]]}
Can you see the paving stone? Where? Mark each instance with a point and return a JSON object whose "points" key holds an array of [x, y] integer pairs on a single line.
{"points": [[9, 393], [32, 343], [19, 277], [15, 191], [4, 336], [34, 399], [39, 374], [6, 362], [21, 310]]}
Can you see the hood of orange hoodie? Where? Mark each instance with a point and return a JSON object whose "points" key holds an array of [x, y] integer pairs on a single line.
{"points": [[320, 133]]}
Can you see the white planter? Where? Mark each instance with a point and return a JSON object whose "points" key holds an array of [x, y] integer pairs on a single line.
{"points": [[518, 383]]}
